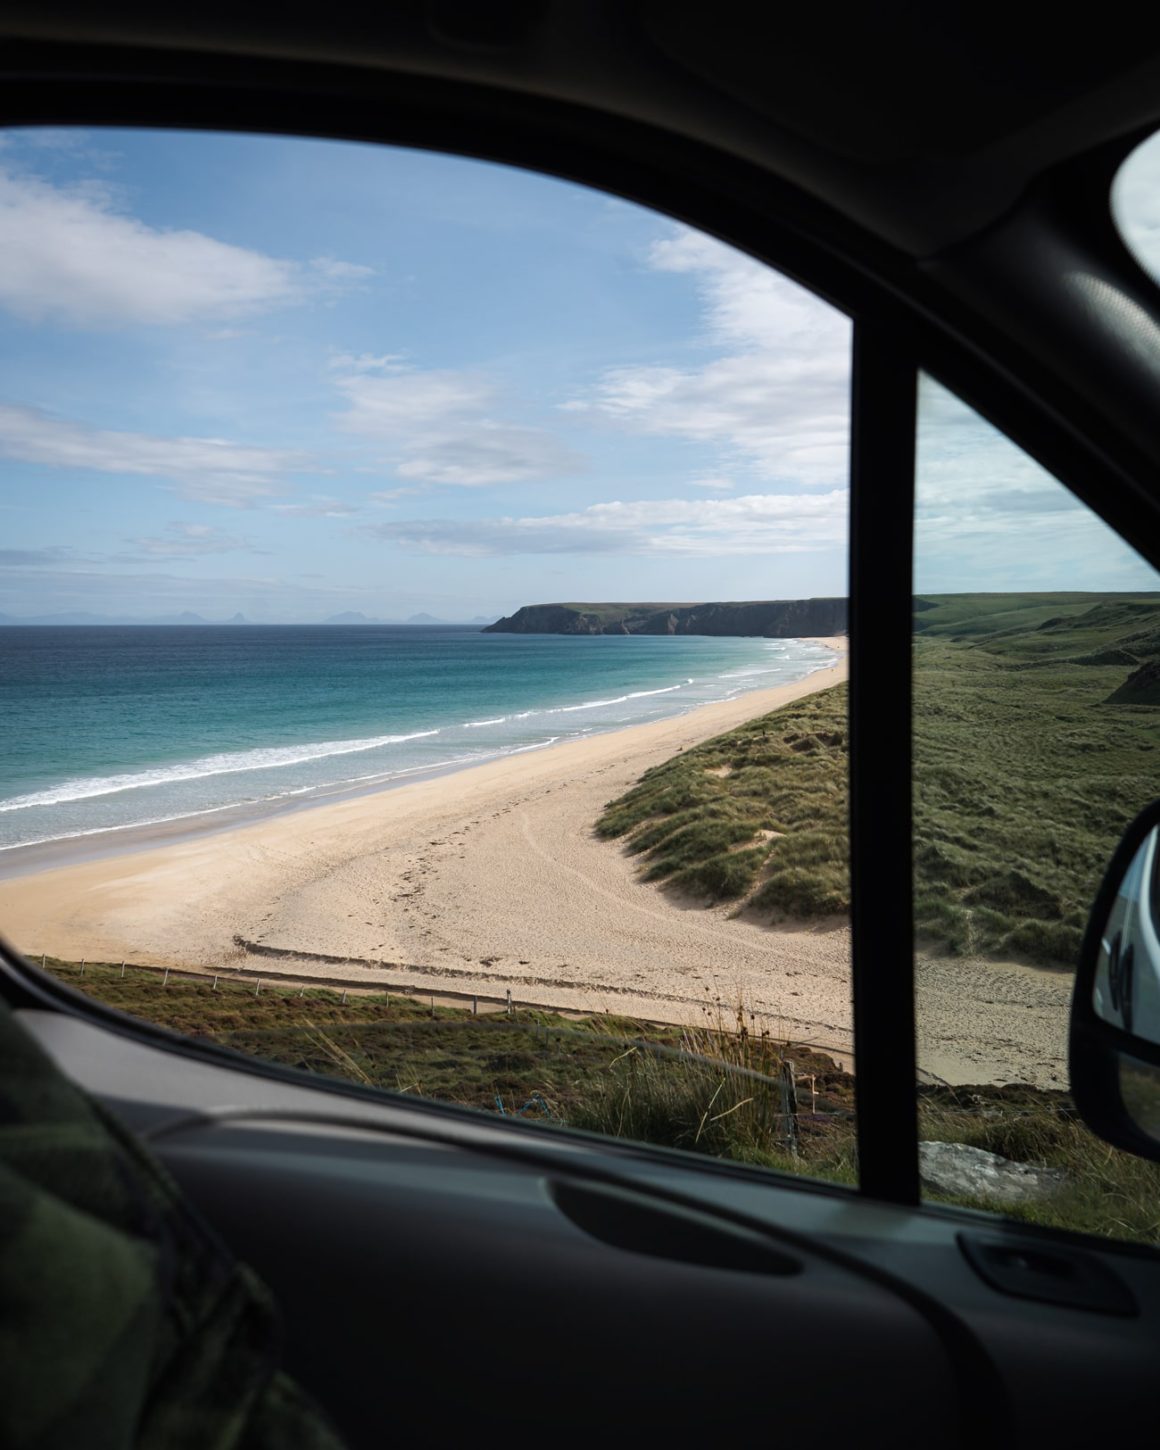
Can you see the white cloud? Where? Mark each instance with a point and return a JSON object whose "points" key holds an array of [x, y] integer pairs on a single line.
{"points": [[335, 270], [365, 362], [987, 516], [67, 254], [182, 540], [438, 428], [317, 506], [212, 470], [968, 473], [387, 400], [752, 524], [714, 485], [392, 495], [481, 453], [776, 399], [748, 304]]}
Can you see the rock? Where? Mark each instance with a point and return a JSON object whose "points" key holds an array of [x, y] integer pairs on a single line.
{"points": [[1142, 687], [964, 1172]]}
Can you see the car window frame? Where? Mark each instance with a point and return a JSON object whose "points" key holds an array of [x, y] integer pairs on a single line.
{"points": [[899, 328]]}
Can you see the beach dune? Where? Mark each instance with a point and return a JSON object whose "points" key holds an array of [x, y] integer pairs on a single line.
{"points": [[489, 880], [486, 880]]}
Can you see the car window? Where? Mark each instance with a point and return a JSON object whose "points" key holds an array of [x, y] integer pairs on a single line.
{"points": [[423, 633], [1154, 884], [1036, 642], [1136, 204]]}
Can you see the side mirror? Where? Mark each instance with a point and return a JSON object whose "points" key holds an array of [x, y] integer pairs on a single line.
{"points": [[1114, 1045]]}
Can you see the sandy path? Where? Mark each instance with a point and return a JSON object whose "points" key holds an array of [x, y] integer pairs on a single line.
{"points": [[984, 1021], [491, 879]]}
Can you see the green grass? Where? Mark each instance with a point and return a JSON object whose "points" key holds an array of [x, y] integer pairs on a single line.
{"points": [[760, 811], [583, 1072], [712, 1089], [1105, 1192], [1030, 760], [1027, 768]]}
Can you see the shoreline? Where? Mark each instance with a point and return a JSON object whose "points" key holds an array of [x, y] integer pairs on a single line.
{"points": [[489, 876], [66, 851], [492, 878]]}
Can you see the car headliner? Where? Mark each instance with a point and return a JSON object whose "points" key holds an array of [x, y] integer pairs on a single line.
{"points": [[923, 123]]}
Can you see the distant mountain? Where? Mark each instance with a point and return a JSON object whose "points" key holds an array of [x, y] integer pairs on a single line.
{"points": [[352, 616], [81, 617], [769, 619], [423, 619], [237, 619], [484, 619]]}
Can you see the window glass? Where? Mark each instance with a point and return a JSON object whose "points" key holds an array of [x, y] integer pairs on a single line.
{"points": [[424, 601], [1136, 204], [1037, 632]]}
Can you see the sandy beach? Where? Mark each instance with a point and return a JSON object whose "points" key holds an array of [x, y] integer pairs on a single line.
{"points": [[492, 879]]}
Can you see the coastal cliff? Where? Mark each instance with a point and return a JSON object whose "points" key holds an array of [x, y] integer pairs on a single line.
{"points": [[771, 619]]}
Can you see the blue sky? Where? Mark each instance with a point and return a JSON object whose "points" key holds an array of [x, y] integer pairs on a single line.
{"points": [[294, 378]]}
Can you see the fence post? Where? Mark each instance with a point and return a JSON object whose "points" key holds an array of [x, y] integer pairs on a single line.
{"points": [[432, 1004], [214, 987], [165, 978], [82, 966], [509, 1001], [475, 1006], [257, 986], [42, 956], [788, 1092], [344, 996], [122, 968]]}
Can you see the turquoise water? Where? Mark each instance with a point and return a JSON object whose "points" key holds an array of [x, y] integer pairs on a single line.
{"points": [[108, 728]]}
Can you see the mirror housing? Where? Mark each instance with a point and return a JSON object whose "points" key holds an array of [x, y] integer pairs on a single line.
{"points": [[1114, 1070]]}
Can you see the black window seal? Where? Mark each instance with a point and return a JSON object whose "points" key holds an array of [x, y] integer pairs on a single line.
{"points": [[883, 416]]}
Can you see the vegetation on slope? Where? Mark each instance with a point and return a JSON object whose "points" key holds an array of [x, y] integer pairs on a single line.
{"points": [[782, 618], [714, 1089], [762, 807], [1029, 762], [1027, 767]]}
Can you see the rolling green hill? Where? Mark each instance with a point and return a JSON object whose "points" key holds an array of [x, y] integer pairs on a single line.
{"points": [[771, 619], [1035, 743]]}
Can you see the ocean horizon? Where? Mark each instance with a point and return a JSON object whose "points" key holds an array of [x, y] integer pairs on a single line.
{"points": [[108, 728]]}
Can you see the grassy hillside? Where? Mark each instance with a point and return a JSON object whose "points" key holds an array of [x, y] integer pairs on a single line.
{"points": [[757, 813], [1029, 765], [712, 1088], [1035, 744]]}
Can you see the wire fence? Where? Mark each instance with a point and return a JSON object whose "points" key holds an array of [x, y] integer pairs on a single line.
{"points": [[795, 1090]]}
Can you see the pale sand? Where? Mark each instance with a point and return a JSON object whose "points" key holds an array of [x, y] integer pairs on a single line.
{"points": [[492, 879]]}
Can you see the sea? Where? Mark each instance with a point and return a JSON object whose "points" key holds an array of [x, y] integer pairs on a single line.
{"points": [[105, 729]]}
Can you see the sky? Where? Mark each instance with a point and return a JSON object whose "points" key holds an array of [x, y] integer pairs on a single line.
{"points": [[294, 378]]}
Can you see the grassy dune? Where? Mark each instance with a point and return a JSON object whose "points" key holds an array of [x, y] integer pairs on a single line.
{"points": [[759, 811], [1035, 744]]}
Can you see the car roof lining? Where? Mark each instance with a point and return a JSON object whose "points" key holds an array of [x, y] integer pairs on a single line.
{"points": [[923, 126]]}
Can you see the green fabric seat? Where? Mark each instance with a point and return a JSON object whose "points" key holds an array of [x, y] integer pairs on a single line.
{"points": [[124, 1321]]}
